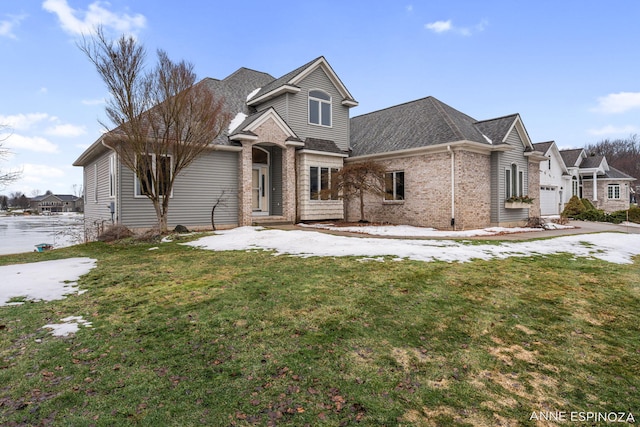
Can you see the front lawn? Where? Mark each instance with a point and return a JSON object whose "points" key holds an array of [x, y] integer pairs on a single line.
{"points": [[182, 336]]}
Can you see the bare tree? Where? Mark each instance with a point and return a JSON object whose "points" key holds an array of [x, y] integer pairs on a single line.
{"points": [[220, 201], [623, 154], [10, 176], [164, 119], [354, 180]]}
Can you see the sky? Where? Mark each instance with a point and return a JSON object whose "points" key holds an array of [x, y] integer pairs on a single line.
{"points": [[569, 68]]}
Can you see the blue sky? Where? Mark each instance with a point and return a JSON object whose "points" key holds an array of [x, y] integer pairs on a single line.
{"points": [[569, 68]]}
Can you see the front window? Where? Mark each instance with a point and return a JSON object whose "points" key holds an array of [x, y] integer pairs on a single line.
{"points": [[514, 182], [394, 185], [112, 175], [319, 108], [153, 169], [613, 191], [320, 183]]}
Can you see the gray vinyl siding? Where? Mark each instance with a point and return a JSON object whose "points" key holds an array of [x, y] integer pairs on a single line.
{"points": [[293, 108], [195, 191], [97, 215], [501, 161]]}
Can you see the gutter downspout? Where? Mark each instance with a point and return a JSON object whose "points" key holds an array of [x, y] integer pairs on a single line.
{"points": [[453, 188]]}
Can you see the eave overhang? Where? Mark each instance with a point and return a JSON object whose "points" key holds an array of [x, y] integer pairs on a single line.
{"points": [[466, 145], [273, 94]]}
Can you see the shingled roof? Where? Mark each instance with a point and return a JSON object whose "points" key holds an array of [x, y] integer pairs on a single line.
{"points": [[542, 147], [422, 123], [570, 157], [235, 89]]}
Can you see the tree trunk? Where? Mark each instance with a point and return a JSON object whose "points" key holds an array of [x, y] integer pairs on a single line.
{"points": [[361, 206]]}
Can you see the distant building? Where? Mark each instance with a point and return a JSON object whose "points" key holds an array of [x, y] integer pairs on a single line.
{"points": [[55, 203]]}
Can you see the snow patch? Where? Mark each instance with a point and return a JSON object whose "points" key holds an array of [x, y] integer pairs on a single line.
{"points": [[252, 94], [70, 325], [237, 121], [45, 280], [411, 231], [612, 247]]}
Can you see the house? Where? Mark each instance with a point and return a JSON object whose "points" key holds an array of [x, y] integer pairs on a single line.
{"points": [[446, 169], [291, 134], [288, 135], [555, 179], [55, 203], [568, 173]]}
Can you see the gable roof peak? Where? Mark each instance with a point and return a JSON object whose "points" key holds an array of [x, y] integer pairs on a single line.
{"points": [[289, 83]]}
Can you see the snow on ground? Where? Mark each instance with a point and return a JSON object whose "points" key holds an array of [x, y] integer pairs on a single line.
{"points": [[612, 247], [410, 231], [46, 280], [70, 325]]}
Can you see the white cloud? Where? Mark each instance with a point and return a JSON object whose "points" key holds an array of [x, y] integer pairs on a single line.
{"points": [[79, 22], [40, 174], [409, 8], [440, 27], [7, 26], [618, 102], [30, 143], [66, 130], [23, 121], [614, 130]]}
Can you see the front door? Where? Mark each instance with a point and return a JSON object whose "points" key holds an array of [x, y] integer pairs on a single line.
{"points": [[259, 190]]}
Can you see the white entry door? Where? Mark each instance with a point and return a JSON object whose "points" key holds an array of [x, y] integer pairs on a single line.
{"points": [[260, 185]]}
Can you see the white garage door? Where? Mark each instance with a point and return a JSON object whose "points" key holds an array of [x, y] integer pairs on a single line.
{"points": [[548, 201]]}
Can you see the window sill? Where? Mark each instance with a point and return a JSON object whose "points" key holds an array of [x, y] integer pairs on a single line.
{"points": [[516, 205], [393, 202]]}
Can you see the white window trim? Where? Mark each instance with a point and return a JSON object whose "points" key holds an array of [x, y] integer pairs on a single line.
{"points": [[394, 184], [95, 183], [611, 188], [514, 181], [112, 176], [137, 187], [320, 101], [331, 171]]}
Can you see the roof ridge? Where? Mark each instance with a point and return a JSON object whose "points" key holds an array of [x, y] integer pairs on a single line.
{"points": [[243, 69], [497, 118], [392, 106], [452, 125]]}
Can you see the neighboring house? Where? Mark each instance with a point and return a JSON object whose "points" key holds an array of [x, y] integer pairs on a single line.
{"points": [[555, 179], [568, 173], [592, 178], [446, 169], [289, 137], [56, 203]]}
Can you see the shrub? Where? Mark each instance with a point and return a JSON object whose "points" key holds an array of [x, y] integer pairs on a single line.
{"points": [[573, 207], [115, 232], [634, 214], [587, 204]]}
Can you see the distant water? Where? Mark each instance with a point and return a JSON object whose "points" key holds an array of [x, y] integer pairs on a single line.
{"points": [[22, 233]]}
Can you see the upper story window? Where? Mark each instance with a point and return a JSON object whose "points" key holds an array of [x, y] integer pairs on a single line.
{"points": [[319, 108]]}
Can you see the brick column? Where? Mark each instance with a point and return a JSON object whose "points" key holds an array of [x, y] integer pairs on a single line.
{"points": [[245, 185], [289, 183]]}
